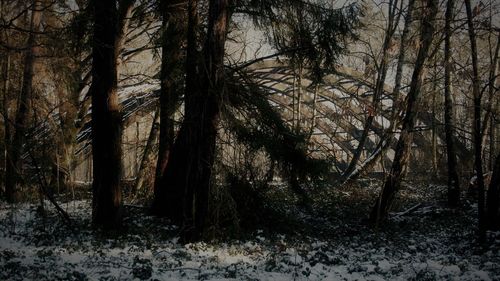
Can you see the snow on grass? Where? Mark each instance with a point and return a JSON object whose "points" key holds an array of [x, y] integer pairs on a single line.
{"points": [[36, 247]]}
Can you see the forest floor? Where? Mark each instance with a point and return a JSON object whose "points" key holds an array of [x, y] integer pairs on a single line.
{"points": [[332, 242]]}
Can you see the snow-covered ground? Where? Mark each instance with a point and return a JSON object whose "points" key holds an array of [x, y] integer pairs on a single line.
{"points": [[36, 248]]}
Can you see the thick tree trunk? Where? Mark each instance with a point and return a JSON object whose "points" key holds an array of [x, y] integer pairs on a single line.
{"points": [[402, 154], [191, 161], [453, 180], [106, 119], [172, 39], [493, 200], [170, 196], [207, 120], [14, 165]]}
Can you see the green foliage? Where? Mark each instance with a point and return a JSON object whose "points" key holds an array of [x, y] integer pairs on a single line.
{"points": [[79, 29], [309, 33], [258, 124]]}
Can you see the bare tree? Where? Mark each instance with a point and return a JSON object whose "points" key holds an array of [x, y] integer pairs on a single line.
{"points": [[477, 137], [387, 138], [14, 155], [402, 154], [392, 24], [453, 181]]}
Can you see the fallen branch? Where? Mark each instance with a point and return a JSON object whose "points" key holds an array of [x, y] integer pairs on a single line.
{"points": [[408, 210]]}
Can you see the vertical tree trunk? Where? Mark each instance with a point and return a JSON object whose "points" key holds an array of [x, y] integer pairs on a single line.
{"points": [[488, 121], [493, 200], [299, 98], [124, 14], [453, 181], [399, 166], [14, 165], [203, 136], [173, 17], [191, 161], [434, 138], [493, 137], [478, 163], [147, 154], [6, 120], [171, 200], [106, 119]]}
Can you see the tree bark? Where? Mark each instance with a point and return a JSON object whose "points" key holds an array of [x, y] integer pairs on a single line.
{"points": [[449, 124], [493, 200], [402, 154], [6, 120], [488, 120], [477, 133], [106, 119], [14, 165], [191, 161], [173, 17], [147, 154]]}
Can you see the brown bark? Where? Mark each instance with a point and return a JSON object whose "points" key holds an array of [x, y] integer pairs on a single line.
{"points": [[170, 197], [453, 180], [14, 165], [401, 158], [191, 161], [125, 8], [106, 119], [477, 137], [173, 17]]}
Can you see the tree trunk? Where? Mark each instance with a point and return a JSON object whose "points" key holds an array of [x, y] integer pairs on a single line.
{"points": [[124, 14], [488, 121], [172, 39], [147, 154], [402, 154], [191, 161], [493, 200], [449, 124], [14, 165], [478, 165], [106, 119], [6, 120]]}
